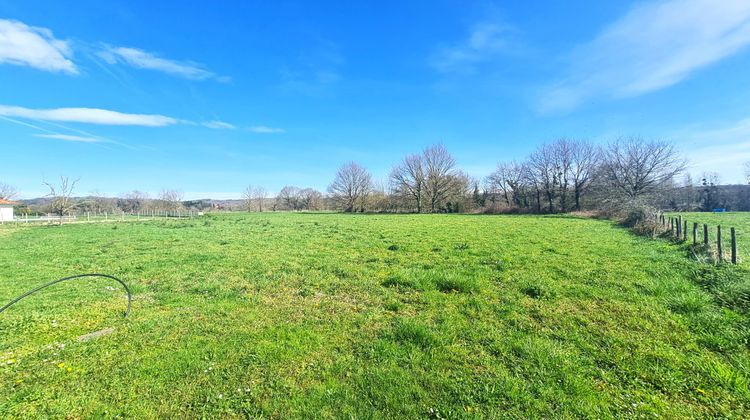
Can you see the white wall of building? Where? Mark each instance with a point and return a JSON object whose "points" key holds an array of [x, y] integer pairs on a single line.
{"points": [[6, 213]]}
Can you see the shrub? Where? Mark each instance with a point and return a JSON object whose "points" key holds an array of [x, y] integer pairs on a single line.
{"points": [[642, 218]]}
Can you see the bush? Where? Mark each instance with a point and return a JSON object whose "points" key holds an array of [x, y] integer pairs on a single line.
{"points": [[642, 218]]}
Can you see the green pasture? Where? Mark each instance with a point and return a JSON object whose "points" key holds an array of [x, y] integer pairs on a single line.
{"points": [[301, 315]]}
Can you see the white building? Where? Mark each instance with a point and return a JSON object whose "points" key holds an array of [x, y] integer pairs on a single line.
{"points": [[6, 210]]}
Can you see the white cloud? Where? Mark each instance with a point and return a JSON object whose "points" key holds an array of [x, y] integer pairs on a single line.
{"points": [[68, 137], [266, 130], [485, 42], [24, 45], [221, 125], [144, 60], [653, 46], [88, 116]]}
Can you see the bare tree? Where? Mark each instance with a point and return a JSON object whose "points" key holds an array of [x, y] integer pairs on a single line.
{"points": [[350, 187], [509, 180], [440, 174], [562, 150], [545, 173], [171, 200], [747, 172], [408, 180], [132, 201], [559, 172], [259, 195], [534, 186], [288, 198], [497, 182], [247, 198], [379, 199], [310, 199], [62, 196], [585, 159], [457, 193], [636, 167], [7, 191], [710, 197]]}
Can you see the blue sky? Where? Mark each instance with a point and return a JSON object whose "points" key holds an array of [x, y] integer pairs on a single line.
{"points": [[208, 97]]}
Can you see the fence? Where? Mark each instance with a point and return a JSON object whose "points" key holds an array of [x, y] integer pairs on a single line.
{"points": [[86, 216], [677, 228]]}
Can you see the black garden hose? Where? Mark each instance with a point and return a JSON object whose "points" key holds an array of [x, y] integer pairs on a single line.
{"points": [[127, 290]]}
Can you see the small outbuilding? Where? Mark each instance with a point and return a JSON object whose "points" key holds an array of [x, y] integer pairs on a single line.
{"points": [[6, 210]]}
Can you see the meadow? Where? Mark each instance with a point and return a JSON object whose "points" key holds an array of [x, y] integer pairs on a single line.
{"points": [[285, 315], [739, 221]]}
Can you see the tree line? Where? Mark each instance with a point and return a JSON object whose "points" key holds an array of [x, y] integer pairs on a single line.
{"points": [[559, 176]]}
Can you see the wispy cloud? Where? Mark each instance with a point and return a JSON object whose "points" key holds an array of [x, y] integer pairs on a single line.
{"points": [[81, 136], [25, 45], [485, 42], [25, 124], [315, 70], [88, 116], [219, 125], [262, 129], [141, 59], [653, 46], [722, 149], [68, 137]]}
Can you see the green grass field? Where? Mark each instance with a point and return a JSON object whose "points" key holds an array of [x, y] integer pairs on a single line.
{"points": [[327, 315], [739, 221]]}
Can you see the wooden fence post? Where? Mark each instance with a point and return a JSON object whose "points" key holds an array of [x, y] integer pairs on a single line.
{"points": [[718, 243], [705, 235], [734, 245], [684, 231], [695, 233], [679, 228]]}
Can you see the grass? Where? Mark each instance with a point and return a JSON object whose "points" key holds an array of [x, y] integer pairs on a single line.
{"points": [[738, 220], [326, 315]]}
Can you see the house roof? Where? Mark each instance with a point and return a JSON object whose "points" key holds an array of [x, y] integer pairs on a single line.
{"points": [[7, 202]]}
